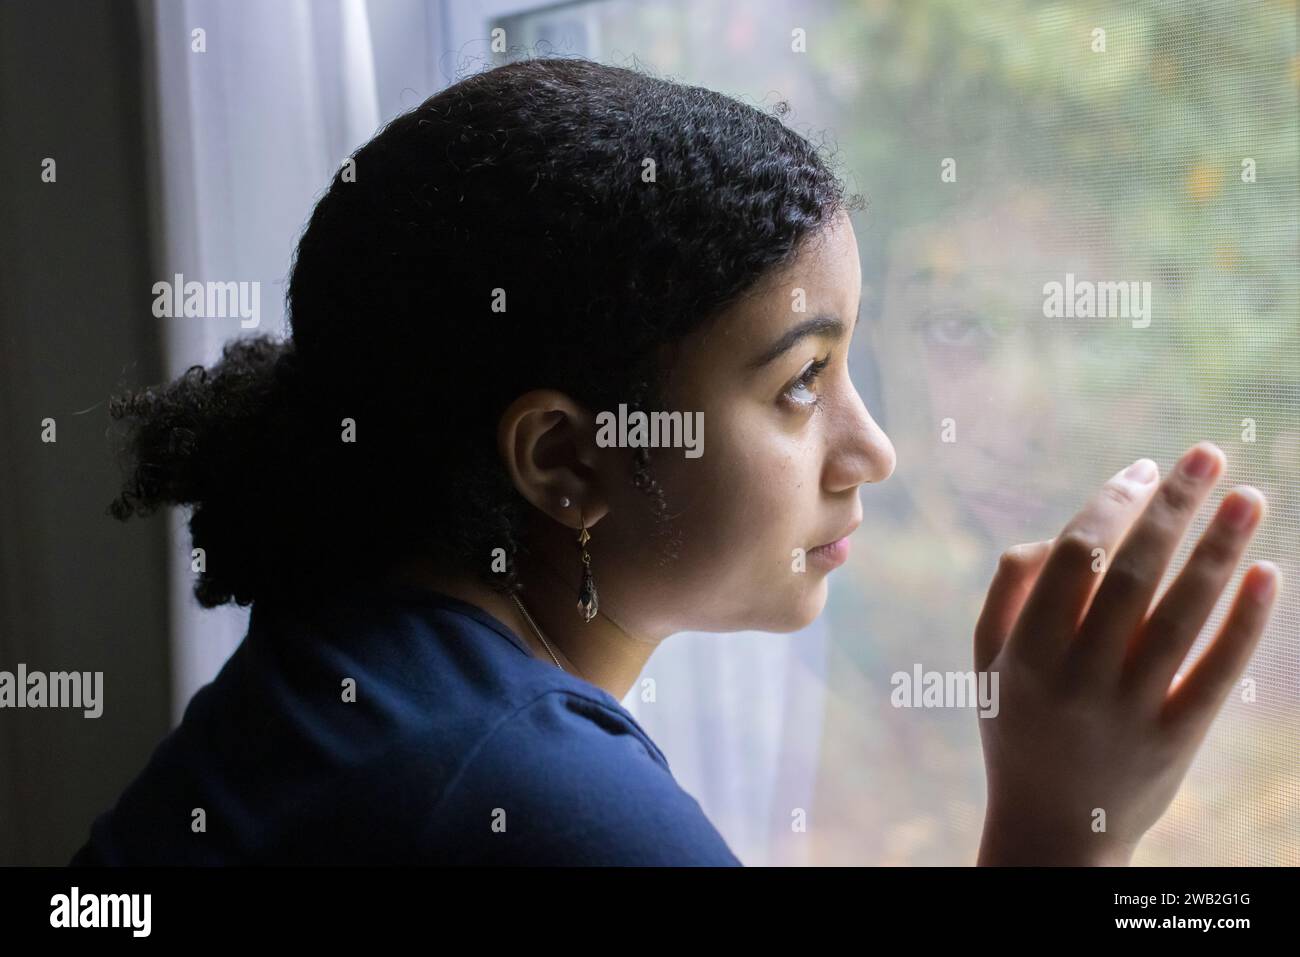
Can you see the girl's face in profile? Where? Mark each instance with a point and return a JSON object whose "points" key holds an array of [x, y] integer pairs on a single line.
{"points": [[787, 441]]}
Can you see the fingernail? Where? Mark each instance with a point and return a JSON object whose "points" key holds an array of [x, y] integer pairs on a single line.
{"points": [[1143, 470], [1239, 508], [1198, 463], [1264, 582]]}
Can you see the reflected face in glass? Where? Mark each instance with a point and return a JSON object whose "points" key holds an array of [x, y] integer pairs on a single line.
{"points": [[787, 443], [962, 310]]}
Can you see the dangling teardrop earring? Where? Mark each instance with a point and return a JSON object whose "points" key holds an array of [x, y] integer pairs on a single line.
{"points": [[588, 601]]}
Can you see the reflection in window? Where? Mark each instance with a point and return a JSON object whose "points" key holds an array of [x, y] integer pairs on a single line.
{"points": [[1169, 159]]}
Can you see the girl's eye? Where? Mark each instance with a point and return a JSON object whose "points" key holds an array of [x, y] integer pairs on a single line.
{"points": [[800, 392]]}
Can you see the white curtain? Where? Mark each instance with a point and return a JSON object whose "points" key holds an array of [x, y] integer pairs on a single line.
{"points": [[255, 112], [251, 130]]}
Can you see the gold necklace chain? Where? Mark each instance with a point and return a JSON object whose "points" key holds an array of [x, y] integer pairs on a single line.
{"points": [[545, 643]]}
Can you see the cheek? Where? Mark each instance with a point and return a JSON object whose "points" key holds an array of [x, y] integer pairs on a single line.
{"points": [[748, 503], [764, 493]]}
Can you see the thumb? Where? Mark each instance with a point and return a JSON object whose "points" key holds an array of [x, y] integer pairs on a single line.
{"points": [[1017, 571]]}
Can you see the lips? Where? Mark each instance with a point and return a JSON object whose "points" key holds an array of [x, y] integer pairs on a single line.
{"points": [[830, 556], [842, 535], [834, 553]]}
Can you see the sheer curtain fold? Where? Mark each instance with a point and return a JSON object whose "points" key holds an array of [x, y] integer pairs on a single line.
{"points": [[258, 104]]}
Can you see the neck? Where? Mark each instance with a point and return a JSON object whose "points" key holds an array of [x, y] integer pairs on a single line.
{"points": [[599, 651]]}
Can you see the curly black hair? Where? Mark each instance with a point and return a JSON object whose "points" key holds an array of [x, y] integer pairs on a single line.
{"points": [[613, 210]]}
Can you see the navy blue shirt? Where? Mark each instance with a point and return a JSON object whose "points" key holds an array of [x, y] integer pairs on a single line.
{"points": [[461, 747]]}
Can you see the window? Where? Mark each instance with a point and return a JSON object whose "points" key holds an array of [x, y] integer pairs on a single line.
{"points": [[1147, 146]]}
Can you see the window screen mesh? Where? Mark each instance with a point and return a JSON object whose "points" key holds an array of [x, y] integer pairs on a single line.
{"points": [[1145, 143]]}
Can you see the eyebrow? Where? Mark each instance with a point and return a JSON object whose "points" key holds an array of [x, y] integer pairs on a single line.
{"points": [[824, 325]]}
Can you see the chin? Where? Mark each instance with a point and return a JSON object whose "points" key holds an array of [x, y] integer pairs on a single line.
{"points": [[802, 608]]}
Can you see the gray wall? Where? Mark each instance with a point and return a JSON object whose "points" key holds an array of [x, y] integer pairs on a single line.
{"points": [[78, 589]]}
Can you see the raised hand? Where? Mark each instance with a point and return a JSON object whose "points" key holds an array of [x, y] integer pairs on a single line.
{"points": [[1090, 741]]}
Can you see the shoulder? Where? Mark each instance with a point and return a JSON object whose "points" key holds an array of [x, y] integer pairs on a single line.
{"points": [[569, 777]]}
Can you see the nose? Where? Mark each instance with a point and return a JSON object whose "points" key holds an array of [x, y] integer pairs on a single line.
{"points": [[859, 451]]}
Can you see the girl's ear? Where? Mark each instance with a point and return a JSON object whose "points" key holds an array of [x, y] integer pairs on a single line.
{"points": [[546, 441]]}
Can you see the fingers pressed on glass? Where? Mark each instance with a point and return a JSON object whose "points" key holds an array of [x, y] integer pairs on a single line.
{"points": [[1134, 571], [1006, 596], [1069, 577], [1168, 634], [1193, 703]]}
